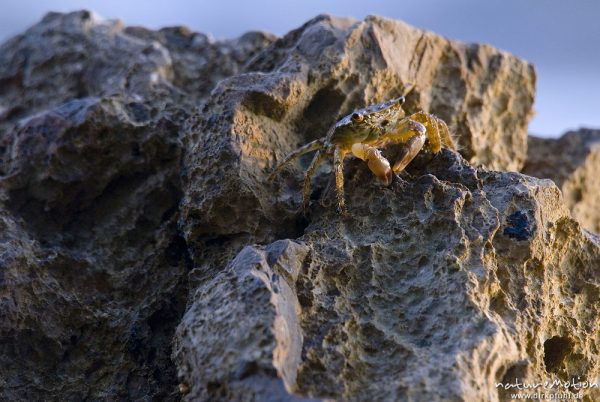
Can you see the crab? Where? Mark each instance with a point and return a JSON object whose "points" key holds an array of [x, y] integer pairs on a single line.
{"points": [[362, 134]]}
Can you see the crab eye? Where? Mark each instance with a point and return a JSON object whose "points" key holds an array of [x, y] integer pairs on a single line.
{"points": [[384, 123], [356, 117], [401, 100]]}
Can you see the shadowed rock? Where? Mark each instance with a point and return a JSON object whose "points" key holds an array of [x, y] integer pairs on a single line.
{"points": [[93, 269], [132, 189]]}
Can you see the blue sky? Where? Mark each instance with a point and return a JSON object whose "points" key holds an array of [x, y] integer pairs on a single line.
{"points": [[561, 38]]}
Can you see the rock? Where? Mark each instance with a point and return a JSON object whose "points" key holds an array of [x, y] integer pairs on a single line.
{"points": [[78, 55], [128, 184], [198, 62], [243, 329], [330, 66], [301, 84], [435, 289], [572, 161], [93, 268]]}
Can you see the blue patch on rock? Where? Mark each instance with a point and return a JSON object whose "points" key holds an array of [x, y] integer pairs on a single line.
{"points": [[518, 226]]}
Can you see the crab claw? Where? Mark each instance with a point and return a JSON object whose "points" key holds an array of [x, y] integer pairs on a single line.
{"points": [[376, 162], [381, 168]]}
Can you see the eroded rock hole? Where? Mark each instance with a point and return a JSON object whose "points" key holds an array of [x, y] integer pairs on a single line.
{"points": [[323, 111], [514, 374], [555, 351], [264, 104]]}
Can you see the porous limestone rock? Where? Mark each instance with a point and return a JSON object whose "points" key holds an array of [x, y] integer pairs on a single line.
{"points": [[297, 87], [93, 276], [127, 184], [330, 66], [93, 268], [573, 162], [435, 289], [78, 55], [243, 329]]}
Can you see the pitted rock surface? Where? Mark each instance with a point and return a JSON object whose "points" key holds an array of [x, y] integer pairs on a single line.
{"points": [[79, 55], [304, 82], [93, 269], [145, 256], [435, 289]]}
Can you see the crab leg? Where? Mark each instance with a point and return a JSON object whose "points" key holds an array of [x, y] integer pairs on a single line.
{"points": [[437, 131], [338, 164], [430, 123], [307, 179], [445, 135], [311, 146]]}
